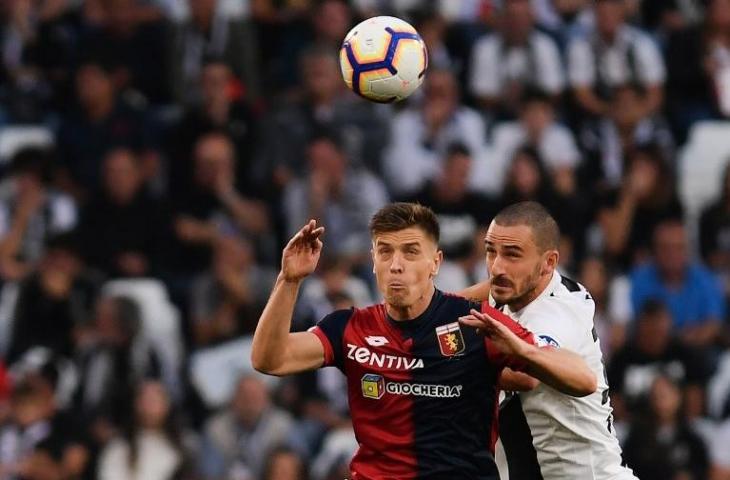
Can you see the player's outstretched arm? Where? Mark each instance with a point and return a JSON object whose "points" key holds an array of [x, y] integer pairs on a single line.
{"points": [[560, 368], [275, 350]]}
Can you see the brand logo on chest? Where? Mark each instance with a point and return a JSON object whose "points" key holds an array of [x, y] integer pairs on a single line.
{"points": [[450, 339], [364, 356]]}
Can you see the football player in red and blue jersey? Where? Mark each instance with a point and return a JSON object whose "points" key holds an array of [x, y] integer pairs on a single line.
{"points": [[422, 386]]}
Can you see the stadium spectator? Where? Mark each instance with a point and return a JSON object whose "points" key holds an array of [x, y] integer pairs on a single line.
{"points": [[152, 445], [52, 301], [31, 211], [629, 213], [714, 227], [698, 54], [609, 140], [209, 32], [123, 231], [103, 120], [285, 464], [336, 193], [213, 206], [538, 127], [653, 351], [517, 57], [237, 440], [322, 104], [227, 299], [221, 107], [692, 293], [615, 54], [664, 435], [421, 136]]}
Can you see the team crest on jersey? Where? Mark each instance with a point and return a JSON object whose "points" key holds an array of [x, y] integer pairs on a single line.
{"points": [[373, 386], [451, 341]]}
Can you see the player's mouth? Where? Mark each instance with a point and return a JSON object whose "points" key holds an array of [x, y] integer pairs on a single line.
{"points": [[396, 286]]}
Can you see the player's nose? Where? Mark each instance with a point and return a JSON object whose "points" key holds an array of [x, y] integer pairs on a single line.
{"points": [[396, 264]]}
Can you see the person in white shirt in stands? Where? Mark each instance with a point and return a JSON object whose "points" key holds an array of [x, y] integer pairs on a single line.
{"points": [[548, 435], [421, 136], [516, 57], [615, 54], [537, 127]]}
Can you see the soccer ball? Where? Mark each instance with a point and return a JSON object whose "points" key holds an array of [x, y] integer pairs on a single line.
{"points": [[383, 59]]}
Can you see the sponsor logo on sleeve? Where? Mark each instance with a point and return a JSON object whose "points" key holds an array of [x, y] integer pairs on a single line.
{"points": [[547, 341]]}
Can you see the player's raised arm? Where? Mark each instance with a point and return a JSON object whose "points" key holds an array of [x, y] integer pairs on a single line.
{"points": [[275, 350], [560, 368]]}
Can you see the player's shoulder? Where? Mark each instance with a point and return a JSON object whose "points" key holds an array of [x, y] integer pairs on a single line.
{"points": [[457, 301], [564, 301]]}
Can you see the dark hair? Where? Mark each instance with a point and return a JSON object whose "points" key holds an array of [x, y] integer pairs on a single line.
{"points": [[535, 95], [34, 160], [401, 215], [172, 427], [544, 228], [457, 148], [284, 450]]}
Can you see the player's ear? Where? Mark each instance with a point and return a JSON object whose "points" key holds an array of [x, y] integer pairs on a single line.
{"points": [[550, 262], [438, 258]]}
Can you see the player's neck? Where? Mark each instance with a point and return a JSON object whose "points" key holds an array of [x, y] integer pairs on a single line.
{"points": [[412, 311]]}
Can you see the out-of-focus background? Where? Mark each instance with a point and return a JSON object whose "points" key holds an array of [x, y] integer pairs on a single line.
{"points": [[156, 154]]}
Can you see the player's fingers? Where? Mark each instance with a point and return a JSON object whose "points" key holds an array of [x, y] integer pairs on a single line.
{"points": [[471, 321]]}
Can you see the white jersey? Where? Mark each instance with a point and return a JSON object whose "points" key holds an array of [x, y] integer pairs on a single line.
{"points": [[549, 435]]}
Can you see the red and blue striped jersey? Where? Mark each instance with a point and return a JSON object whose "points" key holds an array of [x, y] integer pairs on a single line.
{"points": [[423, 393]]}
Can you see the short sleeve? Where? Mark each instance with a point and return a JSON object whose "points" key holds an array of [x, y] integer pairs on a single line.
{"points": [[330, 331], [495, 356], [484, 78], [581, 69], [651, 64]]}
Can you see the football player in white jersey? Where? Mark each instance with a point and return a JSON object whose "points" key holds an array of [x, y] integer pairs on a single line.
{"points": [[547, 434]]}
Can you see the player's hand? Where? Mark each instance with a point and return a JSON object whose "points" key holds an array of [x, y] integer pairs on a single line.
{"points": [[500, 335], [301, 254]]}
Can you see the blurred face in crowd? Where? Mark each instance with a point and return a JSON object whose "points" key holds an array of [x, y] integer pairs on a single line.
{"points": [[233, 252], [718, 14], [250, 400], [321, 75], [568, 7], [285, 465], [517, 20], [670, 250], [665, 399], [593, 277], [202, 10], [653, 331], [516, 264], [94, 86], [524, 175], [152, 405], [107, 323], [405, 263], [536, 116], [215, 79], [455, 176], [441, 89], [327, 159], [331, 21], [609, 17], [122, 178], [32, 403], [645, 173], [214, 160]]}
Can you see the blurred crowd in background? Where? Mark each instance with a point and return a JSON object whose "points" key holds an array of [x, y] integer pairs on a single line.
{"points": [[155, 156]]}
